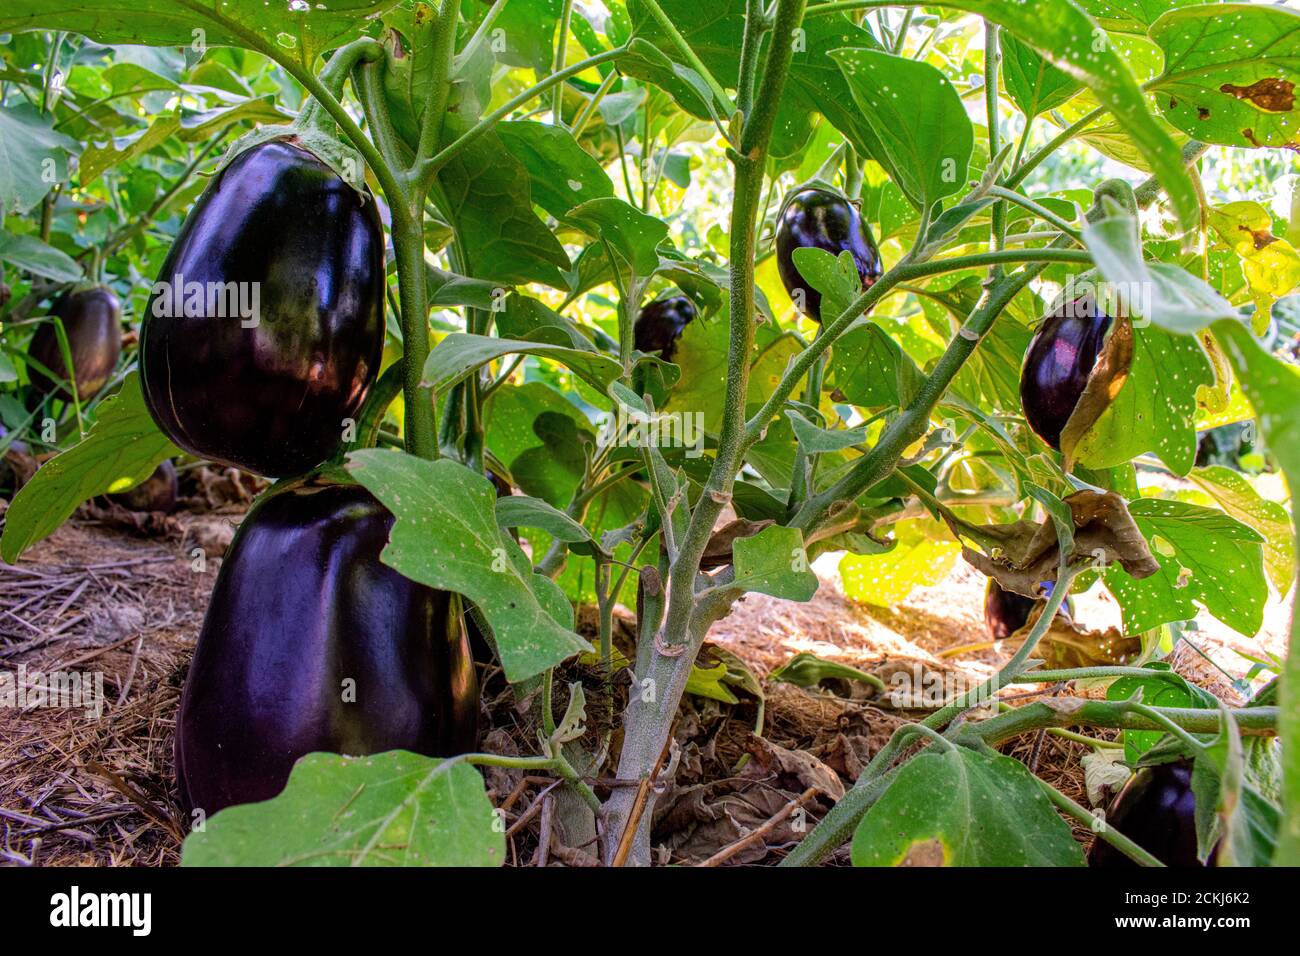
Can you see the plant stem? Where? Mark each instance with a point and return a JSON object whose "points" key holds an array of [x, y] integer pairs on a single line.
{"points": [[665, 657], [1055, 143], [561, 45], [688, 54], [1104, 832], [1010, 195], [992, 69]]}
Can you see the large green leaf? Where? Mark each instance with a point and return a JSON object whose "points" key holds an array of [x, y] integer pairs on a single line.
{"points": [[122, 450], [1238, 497], [633, 235], [304, 28], [918, 117], [871, 370], [962, 808], [1070, 40], [563, 173], [30, 254], [1231, 71], [446, 536], [487, 192], [392, 809], [33, 157], [1222, 566]]}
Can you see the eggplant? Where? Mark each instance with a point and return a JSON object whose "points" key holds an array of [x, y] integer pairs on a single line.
{"points": [[310, 643], [92, 321], [815, 218], [263, 376], [660, 325], [158, 492], [1156, 809], [1006, 612], [1058, 364]]}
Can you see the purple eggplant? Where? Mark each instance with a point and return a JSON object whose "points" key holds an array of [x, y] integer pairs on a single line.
{"points": [[312, 644], [92, 321], [1061, 357], [266, 326], [660, 325], [1156, 809], [816, 218]]}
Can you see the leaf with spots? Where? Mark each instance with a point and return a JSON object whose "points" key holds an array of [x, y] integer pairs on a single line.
{"points": [[1155, 410], [391, 809], [1230, 73], [446, 536], [1238, 497], [1216, 562], [963, 808]]}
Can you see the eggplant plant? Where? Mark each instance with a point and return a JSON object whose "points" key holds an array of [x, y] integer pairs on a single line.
{"points": [[716, 290]]}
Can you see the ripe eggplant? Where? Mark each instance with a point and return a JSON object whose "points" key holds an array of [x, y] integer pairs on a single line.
{"points": [[660, 325], [1156, 810], [265, 329], [158, 492], [820, 219], [312, 644], [1061, 359], [1006, 612], [92, 321]]}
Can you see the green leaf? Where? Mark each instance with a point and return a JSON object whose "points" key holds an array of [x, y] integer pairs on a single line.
{"points": [[962, 808], [1155, 410], [122, 450], [30, 254], [392, 809], [634, 236], [487, 192], [920, 558], [774, 562], [563, 173], [1033, 84], [33, 157], [809, 670], [460, 353], [1069, 39], [1238, 497], [446, 536], [917, 115], [1223, 561], [305, 30], [521, 511], [1163, 688], [1164, 294], [817, 441], [710, 682], [835, 277], [871, 370], [1230, 75]]}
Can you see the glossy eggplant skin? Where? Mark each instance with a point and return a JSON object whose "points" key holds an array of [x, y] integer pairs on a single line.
{"points": [[660, 325], [268, 393], [92, 321], [1061, 356], [158, 492], [820, 219], [312, 644], [1156, 810]]}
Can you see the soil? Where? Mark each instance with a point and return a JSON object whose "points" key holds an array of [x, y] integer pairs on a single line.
{"points": [[125, 599]]}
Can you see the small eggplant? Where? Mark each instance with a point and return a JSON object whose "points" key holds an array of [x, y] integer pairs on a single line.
{"points": [[660, 325], [92, 321], [816, 218]]}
